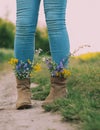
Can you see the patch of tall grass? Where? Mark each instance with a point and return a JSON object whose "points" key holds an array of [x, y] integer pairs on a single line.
{"points": [[82, 104], [89, 56], [5, 55]]}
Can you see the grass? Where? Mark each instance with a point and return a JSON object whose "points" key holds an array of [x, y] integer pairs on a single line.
{"points": [[41, 78], [83, 102], [5, 55], [89, 56]]}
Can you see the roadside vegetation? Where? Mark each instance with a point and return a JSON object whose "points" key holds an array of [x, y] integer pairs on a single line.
{"points": [[82, 104]]}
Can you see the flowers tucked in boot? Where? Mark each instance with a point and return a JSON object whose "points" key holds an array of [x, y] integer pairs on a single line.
{"points": [[59, 75], [23, 74]]}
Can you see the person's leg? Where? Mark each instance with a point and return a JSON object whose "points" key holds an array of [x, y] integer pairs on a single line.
{"points": [[27, 15], [59, 44], [55, 11]]}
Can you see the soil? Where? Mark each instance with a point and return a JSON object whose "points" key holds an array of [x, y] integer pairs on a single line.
{"points": [[31, 119]]}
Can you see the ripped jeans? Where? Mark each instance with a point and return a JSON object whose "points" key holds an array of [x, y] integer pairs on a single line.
{"points": [[26, 22]]}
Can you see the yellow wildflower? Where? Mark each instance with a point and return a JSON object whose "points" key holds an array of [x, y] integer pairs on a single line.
{"points": [[57, 74], [29, 61], [66, 73], [88, 56], [30, 75], [37, 67], [16, 61], [13, 61]]}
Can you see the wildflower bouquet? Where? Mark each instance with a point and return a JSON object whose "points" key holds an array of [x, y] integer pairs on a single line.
{"points": [[22, 69], [58, 70]]}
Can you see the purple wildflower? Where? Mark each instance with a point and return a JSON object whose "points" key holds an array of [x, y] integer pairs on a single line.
{"points": [[25, 66], [47, 61], [18, 66], [50, 66], [61, 65]]}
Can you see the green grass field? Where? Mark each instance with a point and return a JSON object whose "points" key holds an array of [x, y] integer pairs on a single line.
{"points": [[83, 102], [82, 105], [5, 55]]}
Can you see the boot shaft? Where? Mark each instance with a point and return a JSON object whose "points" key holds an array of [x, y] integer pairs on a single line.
{"points": [[57, 90], [23, 94], [58, 83], [23, 84]]}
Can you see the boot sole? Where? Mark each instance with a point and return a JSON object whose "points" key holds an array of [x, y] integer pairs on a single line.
{"points": [[51, 101], [24, 106], [47, 103]]}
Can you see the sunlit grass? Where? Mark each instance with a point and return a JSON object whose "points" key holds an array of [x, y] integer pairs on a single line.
{"points": [[5, 55], [83, 101], [89, 56]]}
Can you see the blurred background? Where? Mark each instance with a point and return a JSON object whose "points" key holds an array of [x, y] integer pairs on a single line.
{"points": [[82, 18], [83, 24]]}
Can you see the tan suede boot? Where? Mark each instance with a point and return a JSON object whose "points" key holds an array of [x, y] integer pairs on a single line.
{"points": [[58, 90], [24, 94]]}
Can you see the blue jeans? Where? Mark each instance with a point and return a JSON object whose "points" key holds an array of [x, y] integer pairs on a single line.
{"points": [[26, 22]]}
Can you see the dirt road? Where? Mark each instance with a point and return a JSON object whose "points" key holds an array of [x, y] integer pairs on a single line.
{"points": [[31, 119]]}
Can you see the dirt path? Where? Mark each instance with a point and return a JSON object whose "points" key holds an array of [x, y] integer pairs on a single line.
{"points": [[31, 119]]}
